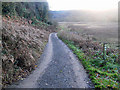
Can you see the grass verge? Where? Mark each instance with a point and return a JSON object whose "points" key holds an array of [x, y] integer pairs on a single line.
{"points": [[103, 75]]}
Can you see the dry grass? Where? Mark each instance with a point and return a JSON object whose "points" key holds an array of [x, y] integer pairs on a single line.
{"points": [[101, 32], [81, 42], [22, 46], [89, 39]]}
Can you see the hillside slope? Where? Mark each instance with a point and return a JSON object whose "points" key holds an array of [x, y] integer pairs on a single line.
{"points": [[25, 31], [22, 45]]}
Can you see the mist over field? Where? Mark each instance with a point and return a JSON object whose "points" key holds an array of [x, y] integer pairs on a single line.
{"points": [[102, 25], [85, 15]]}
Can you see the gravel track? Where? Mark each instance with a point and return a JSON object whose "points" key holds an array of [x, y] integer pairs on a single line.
{"points": [[58, 67]]}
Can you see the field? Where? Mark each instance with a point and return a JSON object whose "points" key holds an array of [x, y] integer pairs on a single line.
{"points": [[96, 46], [102, 32]]}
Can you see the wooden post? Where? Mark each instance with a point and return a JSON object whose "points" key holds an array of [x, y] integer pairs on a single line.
{"points": [[104, 51]]}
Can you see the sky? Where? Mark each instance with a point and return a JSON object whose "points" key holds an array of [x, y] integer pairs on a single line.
{"points": [[96, 5]]}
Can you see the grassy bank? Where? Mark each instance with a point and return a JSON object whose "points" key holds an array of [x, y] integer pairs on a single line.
{"points": [[103, 74]]}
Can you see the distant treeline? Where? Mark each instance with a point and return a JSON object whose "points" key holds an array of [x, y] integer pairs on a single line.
{"points": [[28, 10], [81, 15]]}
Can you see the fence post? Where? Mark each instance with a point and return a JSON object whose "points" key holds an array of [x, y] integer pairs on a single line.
{"points": [[104, 51]]}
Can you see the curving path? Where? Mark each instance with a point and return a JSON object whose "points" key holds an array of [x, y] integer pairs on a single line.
{"points": [[58, 68]]}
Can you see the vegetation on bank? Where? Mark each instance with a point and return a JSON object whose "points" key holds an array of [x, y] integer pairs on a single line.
{"points": [[25, 32], [103, 74], [22, 46]]}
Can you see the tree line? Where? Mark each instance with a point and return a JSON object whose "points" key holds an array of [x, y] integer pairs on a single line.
{"points": [[28, 10]]}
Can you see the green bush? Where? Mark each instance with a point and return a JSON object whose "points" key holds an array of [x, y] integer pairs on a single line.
{"points": [[8, 8]]}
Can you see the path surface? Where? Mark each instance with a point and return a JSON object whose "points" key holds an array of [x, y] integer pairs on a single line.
{"points": [[58, 68]]}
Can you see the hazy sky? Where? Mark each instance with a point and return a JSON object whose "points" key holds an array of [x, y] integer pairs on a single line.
{"points": [[83, 4]]}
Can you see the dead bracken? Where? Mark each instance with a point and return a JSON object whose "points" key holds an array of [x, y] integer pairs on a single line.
{"points": [[22, 45]]}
